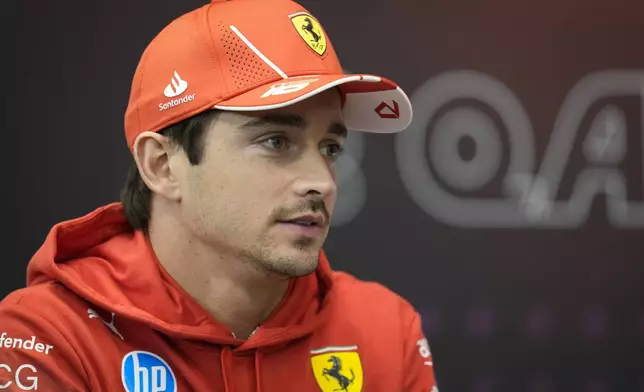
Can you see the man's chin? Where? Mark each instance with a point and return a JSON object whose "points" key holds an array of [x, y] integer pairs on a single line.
{"points": [[293, 263]]}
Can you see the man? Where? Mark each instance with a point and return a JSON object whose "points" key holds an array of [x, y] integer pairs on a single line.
{"points": [[209, 275]]}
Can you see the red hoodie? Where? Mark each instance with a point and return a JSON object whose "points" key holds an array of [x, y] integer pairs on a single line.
{"points": [[101, 314]]}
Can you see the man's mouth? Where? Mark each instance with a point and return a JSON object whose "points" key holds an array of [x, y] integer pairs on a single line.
{"points": [[308, 221], [303, 223]]}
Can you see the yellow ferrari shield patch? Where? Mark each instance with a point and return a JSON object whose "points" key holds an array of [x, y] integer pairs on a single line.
{"points": [[337, 369], [311, 32]]}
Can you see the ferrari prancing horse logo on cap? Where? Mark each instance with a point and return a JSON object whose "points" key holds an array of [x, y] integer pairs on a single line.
{"points": [[311, 32]]}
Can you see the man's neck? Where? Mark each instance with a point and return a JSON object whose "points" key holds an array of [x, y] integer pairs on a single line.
{"points": [[234, 292]]}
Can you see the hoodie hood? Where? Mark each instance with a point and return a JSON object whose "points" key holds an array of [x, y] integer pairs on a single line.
{"points": [[103, 260]]}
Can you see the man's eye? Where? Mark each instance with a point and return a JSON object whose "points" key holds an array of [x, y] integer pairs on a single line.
{"points": [[333, 150], [276, 142]]}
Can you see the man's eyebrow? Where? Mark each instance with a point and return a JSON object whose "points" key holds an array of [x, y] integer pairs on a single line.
{"points": [[292, 121], [289, 120], [338, 129]]}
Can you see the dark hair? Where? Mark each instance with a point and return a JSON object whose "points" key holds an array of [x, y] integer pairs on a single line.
{"points": [[189, 135]]}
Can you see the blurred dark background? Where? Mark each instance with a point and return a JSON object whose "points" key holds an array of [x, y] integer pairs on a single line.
{"points": [[489, 214]]}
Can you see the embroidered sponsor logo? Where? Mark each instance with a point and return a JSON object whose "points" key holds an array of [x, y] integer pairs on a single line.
{"points": [[143, 371], [337, 368], [94, 315], [23, 377], [31, 344]]}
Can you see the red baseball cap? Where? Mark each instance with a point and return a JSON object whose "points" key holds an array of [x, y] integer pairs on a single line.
{"points": [[249, 55]]}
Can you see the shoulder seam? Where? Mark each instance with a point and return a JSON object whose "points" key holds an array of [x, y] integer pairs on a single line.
{"points": [[23, 293]]}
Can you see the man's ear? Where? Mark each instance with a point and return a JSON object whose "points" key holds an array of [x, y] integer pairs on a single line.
{"points": [[152, 154]]}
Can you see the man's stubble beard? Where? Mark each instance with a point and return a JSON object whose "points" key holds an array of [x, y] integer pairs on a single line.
{"points": [[265, 259], [291, 266]]}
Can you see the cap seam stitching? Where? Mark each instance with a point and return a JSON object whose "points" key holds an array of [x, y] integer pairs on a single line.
{"points": [[138, 106], [303, 72], [211, 49]]}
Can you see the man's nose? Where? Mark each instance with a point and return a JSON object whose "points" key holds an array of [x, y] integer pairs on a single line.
{"points": [[316, 176]]}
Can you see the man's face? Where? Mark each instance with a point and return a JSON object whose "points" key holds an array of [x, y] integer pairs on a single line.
{"points": [[265, 188]]}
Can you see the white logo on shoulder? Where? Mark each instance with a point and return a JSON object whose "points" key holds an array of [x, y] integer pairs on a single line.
{"points": [[23, 344], [176, 86], [424, 351], [287, 87], [93, 315]]}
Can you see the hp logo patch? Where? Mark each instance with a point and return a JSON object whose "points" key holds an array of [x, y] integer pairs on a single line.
{"points": [[146, 372]]}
